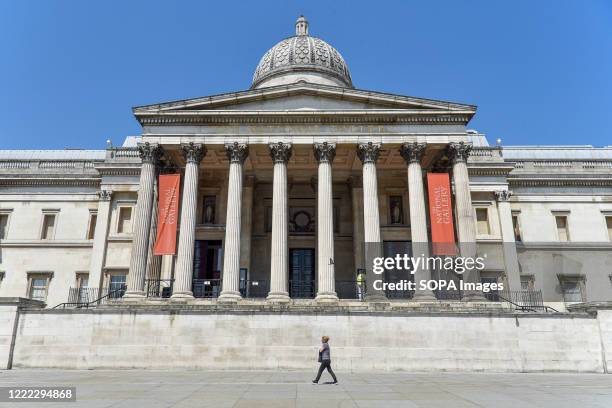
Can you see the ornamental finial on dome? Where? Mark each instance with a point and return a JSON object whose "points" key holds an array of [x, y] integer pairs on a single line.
{"points": [[301, 26]]}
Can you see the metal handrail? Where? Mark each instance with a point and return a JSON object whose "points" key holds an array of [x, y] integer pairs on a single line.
{"points": [[526, 308], [86, 305]]}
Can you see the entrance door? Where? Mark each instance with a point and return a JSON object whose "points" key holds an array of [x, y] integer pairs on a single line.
{"points": [[301, 273], [207, 258]]}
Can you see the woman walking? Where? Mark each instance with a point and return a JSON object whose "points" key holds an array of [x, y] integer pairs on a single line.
{"points": [[325, 360]]}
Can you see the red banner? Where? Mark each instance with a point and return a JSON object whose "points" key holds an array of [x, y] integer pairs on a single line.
{"points": [[441, 214], [165, 243]]}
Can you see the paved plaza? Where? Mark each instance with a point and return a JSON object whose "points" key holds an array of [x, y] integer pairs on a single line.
{"points": [[262, 389]]}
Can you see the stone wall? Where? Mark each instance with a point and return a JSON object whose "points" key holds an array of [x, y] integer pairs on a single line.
{"points": [[288, 340]]}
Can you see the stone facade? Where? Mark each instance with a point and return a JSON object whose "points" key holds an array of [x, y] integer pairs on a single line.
{"points": [[281, 186]]}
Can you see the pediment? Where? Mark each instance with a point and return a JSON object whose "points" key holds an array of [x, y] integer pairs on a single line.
{"points": [[305, 97]]}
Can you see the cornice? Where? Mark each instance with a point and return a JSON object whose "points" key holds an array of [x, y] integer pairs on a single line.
{"points": [[58, 181], [299, 117], [560, 182], [133, 171], [489, 171], [45, 244]]}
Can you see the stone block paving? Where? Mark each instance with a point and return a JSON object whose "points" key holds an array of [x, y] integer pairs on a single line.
{"points": [[292, 389]]}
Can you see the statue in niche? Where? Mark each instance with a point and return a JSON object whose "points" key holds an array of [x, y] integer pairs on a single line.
{"points": [[397, 213], [209, 209]]}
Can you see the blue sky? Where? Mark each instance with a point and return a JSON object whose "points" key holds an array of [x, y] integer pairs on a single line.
{"points": [[70, 71]]}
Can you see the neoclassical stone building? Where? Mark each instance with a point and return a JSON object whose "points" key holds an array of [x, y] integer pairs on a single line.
{"points": [[281, 186]]}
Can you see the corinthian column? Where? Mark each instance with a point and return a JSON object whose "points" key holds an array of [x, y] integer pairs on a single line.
{"points": [[236, 154], [326, 292], [368, 153], [149, 154], [193, 154], [513, 273], [464, 213], [281, 153], [412, 153]]}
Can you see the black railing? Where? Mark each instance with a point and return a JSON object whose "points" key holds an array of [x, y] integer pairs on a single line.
{"points": [[399, 294], [448, 294], [302, 289], [254, 288], [525, 300], [159, 288], [206, 288], [82, 295], [91, 297]]}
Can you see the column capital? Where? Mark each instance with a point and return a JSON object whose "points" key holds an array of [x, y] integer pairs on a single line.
{"points": [[412, 152], [193, 152], [237, 152], [459, 152], [368, 152], [503, 195], [280, 152], [105, 195], [149, 153], [324, 152]]}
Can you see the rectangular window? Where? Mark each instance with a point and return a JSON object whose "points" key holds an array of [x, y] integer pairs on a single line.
{"points": [[527, 282], [38, 286], [91, 229], [84, 295], [396, 210], [482, 221], [117, 285], [517, 228], [572, 290], [124, 226], [609, 225], [48, 228], [209, 209], [3, 226], [562, 232]]}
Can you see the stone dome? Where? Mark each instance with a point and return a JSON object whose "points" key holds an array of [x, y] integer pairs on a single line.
{"points": [[302, 58]]}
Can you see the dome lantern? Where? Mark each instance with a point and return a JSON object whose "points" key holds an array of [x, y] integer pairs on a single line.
{"points": [[301, 26]]}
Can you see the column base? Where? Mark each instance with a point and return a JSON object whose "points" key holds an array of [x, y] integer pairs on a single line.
{"points": [[134, 295], [376, 297], [182, 296], [424, 296], [473, 296], [229, 296], [278, 297], [327, 297]]}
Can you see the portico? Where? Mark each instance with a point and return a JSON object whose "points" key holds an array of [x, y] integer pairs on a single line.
{"points": [[286, 183], [299, 196]]}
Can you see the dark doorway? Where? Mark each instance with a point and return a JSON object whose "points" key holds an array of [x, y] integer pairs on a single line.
{"points": [[301, 273], [391, 249], [207, 258]]}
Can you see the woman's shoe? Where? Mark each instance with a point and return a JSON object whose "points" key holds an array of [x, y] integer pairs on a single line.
{"points": [[315, 382]]}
